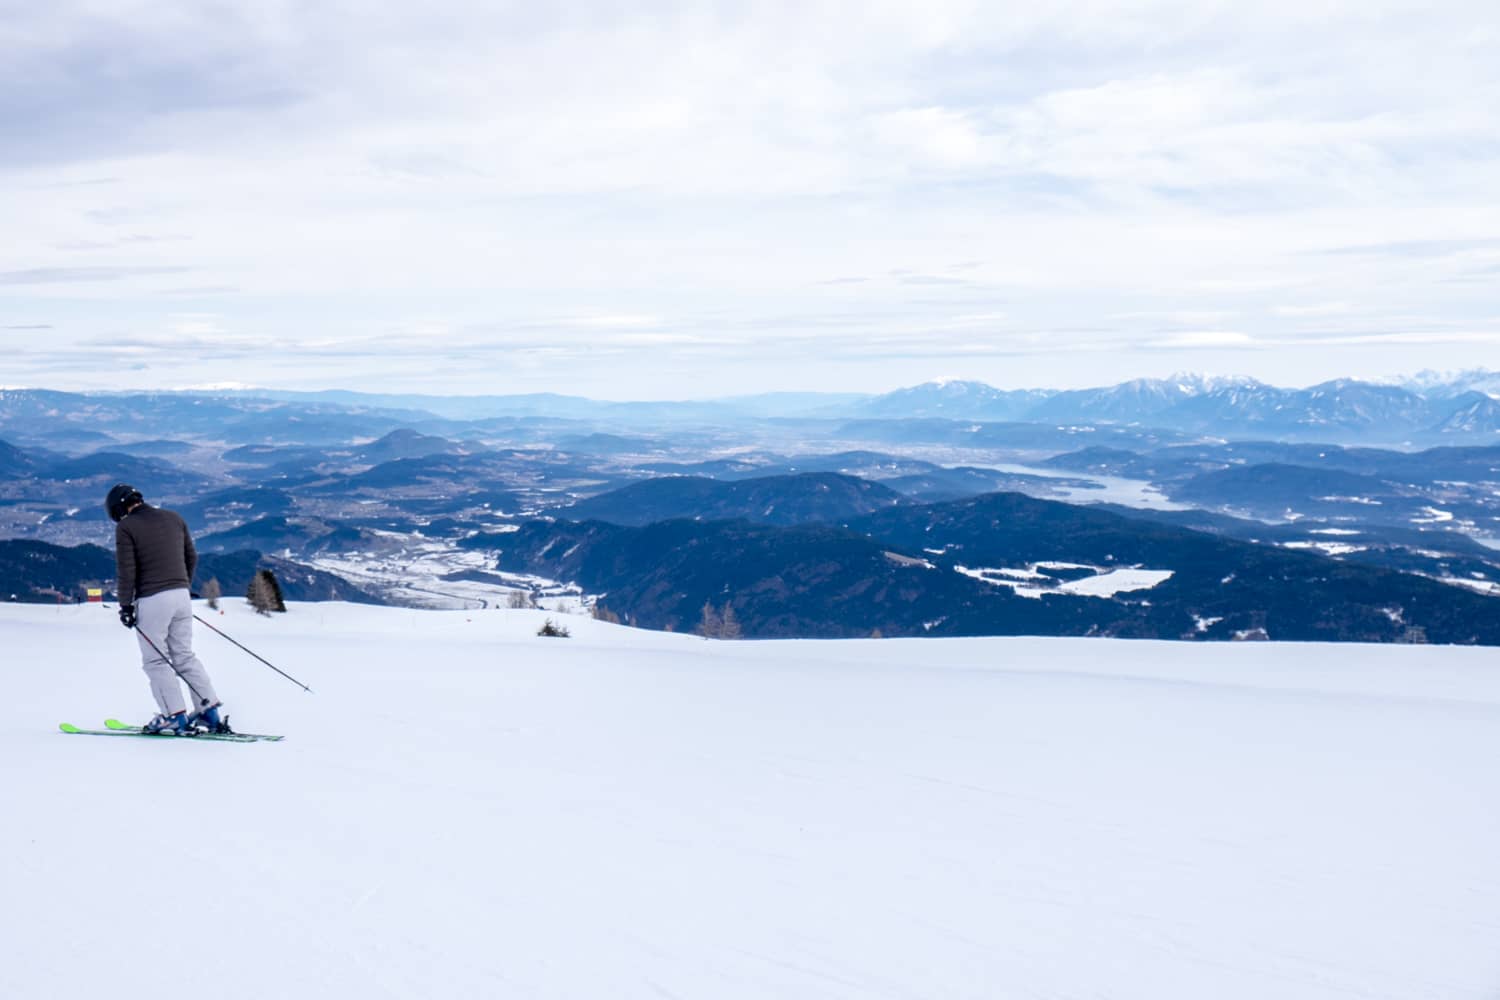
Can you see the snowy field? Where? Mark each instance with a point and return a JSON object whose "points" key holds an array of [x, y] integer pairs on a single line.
{"points": [[435, 574], [465, 809], [1030, 581]]}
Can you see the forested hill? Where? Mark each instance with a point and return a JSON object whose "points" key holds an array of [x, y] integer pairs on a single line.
{"points": [[36, 571], [1000, 564]]}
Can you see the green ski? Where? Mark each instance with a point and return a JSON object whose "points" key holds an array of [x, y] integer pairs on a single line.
{"points": [[117, 726], [137, 732]]}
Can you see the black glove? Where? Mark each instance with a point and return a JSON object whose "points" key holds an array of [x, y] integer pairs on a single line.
{"points": [[127, 615]]}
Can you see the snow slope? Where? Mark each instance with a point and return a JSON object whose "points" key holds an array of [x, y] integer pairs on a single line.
{"points": [[465, 809]]}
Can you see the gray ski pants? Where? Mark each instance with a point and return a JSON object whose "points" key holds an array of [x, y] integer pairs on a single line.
{"points": [[167, 620]]}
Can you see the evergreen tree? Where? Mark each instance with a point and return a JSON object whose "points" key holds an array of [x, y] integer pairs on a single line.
{"points": [[264, 593], [212, 592], [278, 603]]}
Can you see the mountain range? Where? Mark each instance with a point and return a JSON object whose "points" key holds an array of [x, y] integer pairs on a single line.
{"points": [[1344, 409], [904, 514], [1426, 408]]}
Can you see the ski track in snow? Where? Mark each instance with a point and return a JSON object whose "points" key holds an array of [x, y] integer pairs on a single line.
{"points": [[464, 808]]}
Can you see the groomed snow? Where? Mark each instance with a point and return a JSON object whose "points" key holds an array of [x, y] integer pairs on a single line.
{"points": [[465, 809]]}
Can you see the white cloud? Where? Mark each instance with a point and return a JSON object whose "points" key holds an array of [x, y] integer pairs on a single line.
{"points": [[938, 137], [1315, 309], [681, 187], [197, 324], [617, 321], [1205, 338]]}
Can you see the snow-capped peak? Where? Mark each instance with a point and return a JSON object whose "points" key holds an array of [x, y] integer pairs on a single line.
{"points": [[1430, 382], [1196, 384], [951, 385]]}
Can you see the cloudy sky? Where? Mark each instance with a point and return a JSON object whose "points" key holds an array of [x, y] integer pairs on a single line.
{"points": [[669, 201]]}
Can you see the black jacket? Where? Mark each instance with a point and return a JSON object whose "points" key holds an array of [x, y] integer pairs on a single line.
{"points": [[153, 552]]}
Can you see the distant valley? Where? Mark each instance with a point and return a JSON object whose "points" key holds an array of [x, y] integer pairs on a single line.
{"points": [[1187, 508]]}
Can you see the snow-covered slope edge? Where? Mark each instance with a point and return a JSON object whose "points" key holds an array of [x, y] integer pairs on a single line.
{"points": [[466, 808]]}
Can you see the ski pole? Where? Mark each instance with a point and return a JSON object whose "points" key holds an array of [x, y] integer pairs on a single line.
{"points": [[202, 701], [257, 656]]}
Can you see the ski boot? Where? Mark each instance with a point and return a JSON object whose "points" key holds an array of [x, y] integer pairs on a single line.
{"points": [[209, 720], [170, 725]]}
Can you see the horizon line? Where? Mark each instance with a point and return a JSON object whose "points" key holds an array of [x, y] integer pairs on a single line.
{"points": [[236, 389]]}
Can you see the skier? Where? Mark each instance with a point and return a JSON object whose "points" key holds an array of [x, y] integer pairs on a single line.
{"points": [[154, 564]]}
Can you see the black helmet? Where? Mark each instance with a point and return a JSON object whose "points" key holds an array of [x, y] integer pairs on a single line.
{"points": [[121, 498]]}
